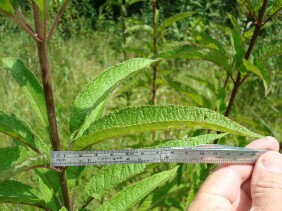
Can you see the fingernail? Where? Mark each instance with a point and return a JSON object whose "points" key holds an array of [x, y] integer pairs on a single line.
{"points": [[273, 162]]}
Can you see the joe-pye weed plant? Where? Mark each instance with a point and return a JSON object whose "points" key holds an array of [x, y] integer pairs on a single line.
{"points": [[56, 187]]}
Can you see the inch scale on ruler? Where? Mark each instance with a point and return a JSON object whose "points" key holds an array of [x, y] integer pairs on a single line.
{"points": [[207, 153]]}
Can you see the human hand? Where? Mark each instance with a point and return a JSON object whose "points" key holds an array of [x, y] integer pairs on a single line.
{"points": [[245, 187]]}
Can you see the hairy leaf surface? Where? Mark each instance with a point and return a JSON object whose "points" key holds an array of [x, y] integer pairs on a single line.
{"points": [[128, 197], [17, 128], [189, 52], [30, 85], [150, 118], [98, 89], [110, 176], [32, 162], [18, 193]]}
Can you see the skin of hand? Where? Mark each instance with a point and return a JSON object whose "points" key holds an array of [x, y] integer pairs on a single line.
{"points": [[245, 187]]}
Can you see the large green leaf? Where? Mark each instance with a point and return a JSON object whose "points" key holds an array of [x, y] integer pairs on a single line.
{"points": [[189, 52], [132, 194], [32, 162], [11, 155], [19, 193], [169, 21], [150, 118], [99, 88], [30, 85], [6, 6], [17, 128], [110, 176]]}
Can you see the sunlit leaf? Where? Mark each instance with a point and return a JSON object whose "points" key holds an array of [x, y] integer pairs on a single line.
{"points": [[30, 85], [99, 88], [150, 118], [110, 176], [6, 6], [189, 52], [18, 193], [132, 194]]}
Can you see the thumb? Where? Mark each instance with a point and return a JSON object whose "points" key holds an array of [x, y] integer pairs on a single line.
{"points": [[266, 184]]}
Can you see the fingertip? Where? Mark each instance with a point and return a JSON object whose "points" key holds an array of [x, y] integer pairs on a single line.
{"points": [[266, 143]]}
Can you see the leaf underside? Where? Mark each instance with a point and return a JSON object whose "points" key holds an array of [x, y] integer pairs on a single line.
{"points": [[150, 118], [129, 196], [110, 176]]}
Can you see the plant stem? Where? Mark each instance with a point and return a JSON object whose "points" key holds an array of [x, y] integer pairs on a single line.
{"points": [[238, 81], [123, 16], [40, 26], [154, 87], [56, 21]]}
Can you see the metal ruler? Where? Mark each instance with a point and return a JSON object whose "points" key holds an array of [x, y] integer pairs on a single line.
{"points": [[207, 153]]}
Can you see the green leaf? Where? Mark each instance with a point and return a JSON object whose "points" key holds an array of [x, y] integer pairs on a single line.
{"points": [[132, 194], [17, 128], [11, 155], [40, 4], [247, 6], [190, 92], [32, 162], [19, 193], [30, 85], [150, 118], [99, 88], [49, 187], [140, 28], [110, 176], [208, 41], [169, 21], [238, 45], [6, 6], [94, 114], [268, 51], [209, 54], [234, 22], [275, 7], [131, 2], [264, 74]]}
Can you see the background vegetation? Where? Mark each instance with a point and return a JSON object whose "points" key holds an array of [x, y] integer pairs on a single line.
{"points": [[93, 35]]}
